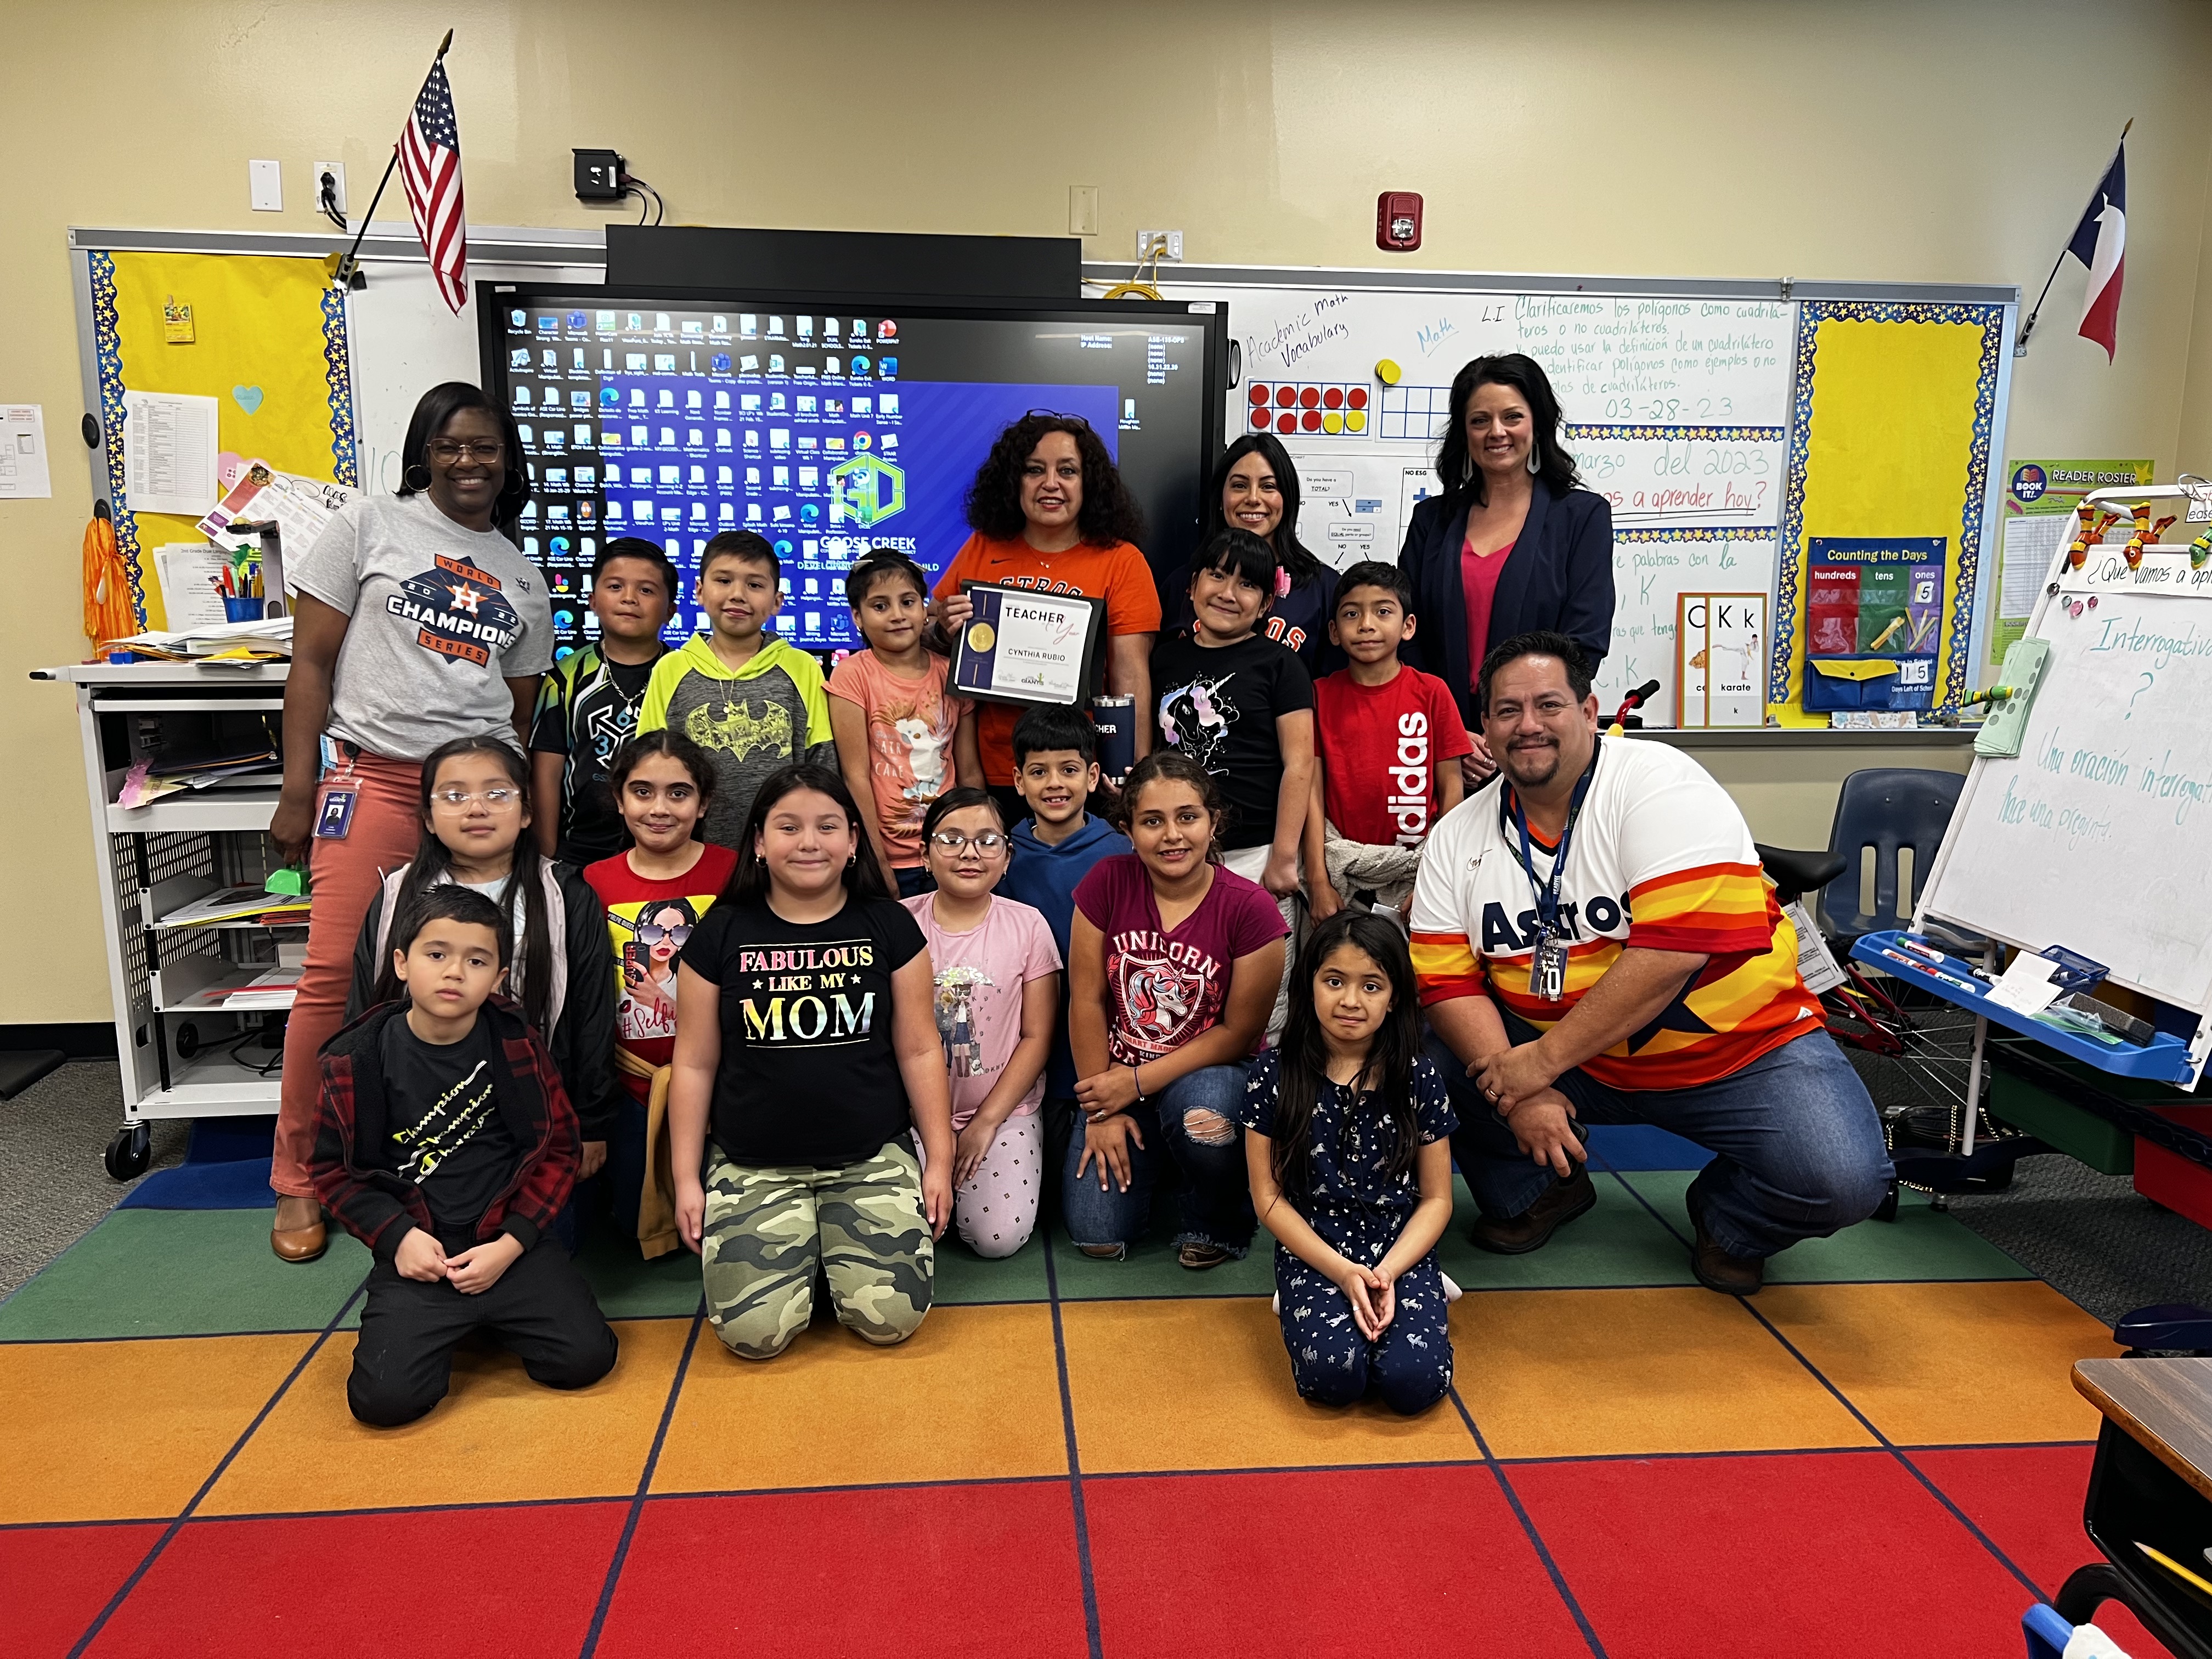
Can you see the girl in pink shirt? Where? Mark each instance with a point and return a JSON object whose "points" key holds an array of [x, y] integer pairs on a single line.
{"points": [[997, 973]]}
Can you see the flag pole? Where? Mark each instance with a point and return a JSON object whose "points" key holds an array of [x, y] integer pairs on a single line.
{"points": [[2020, 345], [348, 272]]}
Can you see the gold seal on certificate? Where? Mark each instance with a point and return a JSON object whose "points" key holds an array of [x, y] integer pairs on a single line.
{"points": [[1022, 646]]}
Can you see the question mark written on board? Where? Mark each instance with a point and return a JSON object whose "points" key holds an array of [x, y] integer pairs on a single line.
{"points": [[2137, 692]]}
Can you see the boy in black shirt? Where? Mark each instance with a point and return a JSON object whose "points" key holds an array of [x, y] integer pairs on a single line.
{"points": [[445, 1143], [589, 703]]}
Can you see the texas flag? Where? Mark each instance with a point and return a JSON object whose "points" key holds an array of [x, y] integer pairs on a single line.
{"points": [[2101, 243]]}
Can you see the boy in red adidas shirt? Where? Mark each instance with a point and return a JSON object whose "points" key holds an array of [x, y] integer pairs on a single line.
{"points": [[1388, 738]]}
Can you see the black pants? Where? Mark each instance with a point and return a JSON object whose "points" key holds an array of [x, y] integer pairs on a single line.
{"points": [[541, 1308]]}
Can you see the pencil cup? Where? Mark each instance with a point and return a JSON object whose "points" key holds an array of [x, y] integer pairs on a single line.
{"points": [[244, 608]]}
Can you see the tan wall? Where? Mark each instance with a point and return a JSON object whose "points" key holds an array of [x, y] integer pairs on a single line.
{"points": [[1912, 141]]}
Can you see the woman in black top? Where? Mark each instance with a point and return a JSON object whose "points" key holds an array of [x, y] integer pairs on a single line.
{"points": [[1255, 488], [806, 1038], [1512, 543]]}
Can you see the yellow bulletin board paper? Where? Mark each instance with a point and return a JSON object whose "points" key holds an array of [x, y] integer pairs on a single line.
{"points": [[1890, 435], [269, 345]]}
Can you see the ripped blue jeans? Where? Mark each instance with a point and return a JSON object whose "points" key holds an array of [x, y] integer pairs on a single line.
{"points": [[1216, 1200]]}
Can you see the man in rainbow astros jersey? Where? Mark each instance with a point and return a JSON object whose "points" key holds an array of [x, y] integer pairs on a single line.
{"points": [[1594, 939]]}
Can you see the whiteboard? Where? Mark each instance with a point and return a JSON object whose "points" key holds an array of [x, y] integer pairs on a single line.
{"points": [[1676, 409], [2094, 837]]}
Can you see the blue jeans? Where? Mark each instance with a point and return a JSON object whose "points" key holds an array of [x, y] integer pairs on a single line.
{"points": [[1216, 1200], [1798, 1146]]}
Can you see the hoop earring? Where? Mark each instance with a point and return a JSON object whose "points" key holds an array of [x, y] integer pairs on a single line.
{"points": [[408, 478], [1534, 466]]}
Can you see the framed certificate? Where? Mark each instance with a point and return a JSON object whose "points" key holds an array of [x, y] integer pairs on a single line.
{"points": [[1022, 646]]}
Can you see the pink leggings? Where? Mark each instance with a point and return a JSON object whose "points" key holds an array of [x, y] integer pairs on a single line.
{"points": [[388, 821], [996, 1211]]}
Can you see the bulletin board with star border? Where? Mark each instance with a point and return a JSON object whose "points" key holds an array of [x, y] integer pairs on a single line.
{"points": [[268, 344], [1894, 415]]}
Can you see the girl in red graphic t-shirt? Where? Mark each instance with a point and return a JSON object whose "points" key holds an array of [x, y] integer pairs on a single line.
{"points": [[1173, 963]]}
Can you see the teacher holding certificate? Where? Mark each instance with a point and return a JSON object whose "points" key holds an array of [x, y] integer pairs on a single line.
{"points": [[1049, 513]]}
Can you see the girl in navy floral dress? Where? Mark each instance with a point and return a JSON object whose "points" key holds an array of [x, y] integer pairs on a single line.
{"points": [[1350, 1160]]}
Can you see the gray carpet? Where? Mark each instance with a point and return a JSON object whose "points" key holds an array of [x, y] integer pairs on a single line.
{"points": [[2093, 1238], [53, 1189]]}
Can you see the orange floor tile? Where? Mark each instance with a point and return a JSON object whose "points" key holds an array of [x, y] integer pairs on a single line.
{"points": [[1948, 1364], [973, 1394], [1206, 1384], [498, 1437], [1596, 1373], [103, 1431]]}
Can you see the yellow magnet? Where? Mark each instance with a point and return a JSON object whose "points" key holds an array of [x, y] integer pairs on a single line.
{"points": [[1388, 371], [1356, 421], [1332, 421]]}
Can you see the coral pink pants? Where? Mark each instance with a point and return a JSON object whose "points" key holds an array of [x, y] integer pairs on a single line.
{"points": [[388, 820]]}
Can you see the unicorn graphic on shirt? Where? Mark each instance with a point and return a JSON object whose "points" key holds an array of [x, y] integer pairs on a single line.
{"points": [[1196, 720]]}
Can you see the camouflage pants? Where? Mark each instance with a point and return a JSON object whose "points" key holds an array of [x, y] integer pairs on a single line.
{"points": [[768, 1230]]}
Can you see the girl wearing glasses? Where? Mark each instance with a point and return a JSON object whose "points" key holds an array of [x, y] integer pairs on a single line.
{"points": [[476, 810], [415, 622], [655, 895], [997, 974]]}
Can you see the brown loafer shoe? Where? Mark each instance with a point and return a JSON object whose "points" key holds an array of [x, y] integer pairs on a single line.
{"points": [[299, 1243], [1718, 1270], [1200, 1257], [1530, 1229]]}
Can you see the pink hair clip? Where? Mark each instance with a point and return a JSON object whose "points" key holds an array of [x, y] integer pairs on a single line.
{"points": [[1282, 582]]}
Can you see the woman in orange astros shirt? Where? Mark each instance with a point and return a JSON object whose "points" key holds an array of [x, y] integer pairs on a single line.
{"points": [[1050, 511]]}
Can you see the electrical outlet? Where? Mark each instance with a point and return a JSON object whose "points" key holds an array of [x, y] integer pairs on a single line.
{"points": [[1146, 239], [1083, 210], [336, 171], [264, 183]]}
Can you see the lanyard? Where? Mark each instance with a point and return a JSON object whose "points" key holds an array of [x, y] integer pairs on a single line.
{"points": [[1547, 894]]}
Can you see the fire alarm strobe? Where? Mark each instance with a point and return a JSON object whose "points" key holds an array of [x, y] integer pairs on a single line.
{"points": [[1398, 222]]}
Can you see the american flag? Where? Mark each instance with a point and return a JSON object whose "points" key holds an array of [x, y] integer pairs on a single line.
{"points": [[430, 165]]}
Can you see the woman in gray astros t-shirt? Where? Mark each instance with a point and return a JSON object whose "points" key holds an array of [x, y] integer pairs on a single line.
{"points": [[414, 620]]}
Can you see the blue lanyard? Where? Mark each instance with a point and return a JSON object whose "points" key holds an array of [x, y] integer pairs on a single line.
{"points": [[1547, 894]]}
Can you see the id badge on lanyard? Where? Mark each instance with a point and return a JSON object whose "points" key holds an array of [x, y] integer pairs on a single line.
{"points": [[334, 816], [1548, 968]]}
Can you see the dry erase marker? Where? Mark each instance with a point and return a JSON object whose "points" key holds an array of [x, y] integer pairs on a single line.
{"points": [[1923, 967]]}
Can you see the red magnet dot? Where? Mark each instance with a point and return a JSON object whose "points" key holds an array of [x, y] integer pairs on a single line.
{"points": [[1311, 397], [1333, 398], [1313, 420], [1259, 394], [1287, 423], [1260, 419], [1357, 397], [1285, 396]]}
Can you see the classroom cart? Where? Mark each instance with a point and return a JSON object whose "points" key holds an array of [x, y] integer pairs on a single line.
{"points": [[181, 1055]]}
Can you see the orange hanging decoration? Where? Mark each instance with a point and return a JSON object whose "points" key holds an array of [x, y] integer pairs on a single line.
{"points": [[2133, 552], [108, 613], [2078, 554]]}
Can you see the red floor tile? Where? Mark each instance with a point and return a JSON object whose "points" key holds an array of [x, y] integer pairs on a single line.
{"points": [[425, 1581], [1832, 1556], [918, 1571], [2028, 1500], [1354, 1562], [55, 1580]]}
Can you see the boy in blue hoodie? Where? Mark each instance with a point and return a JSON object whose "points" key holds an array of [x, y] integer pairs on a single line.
{"points": [[1055, 770]]}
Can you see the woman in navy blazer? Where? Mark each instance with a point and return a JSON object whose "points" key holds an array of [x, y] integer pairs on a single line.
{"points": [[1512, 543]]}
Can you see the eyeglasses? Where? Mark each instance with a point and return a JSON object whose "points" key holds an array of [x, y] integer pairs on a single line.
{"points": [[954, 841], [498, 798], [652, 932], [450, 450]]}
